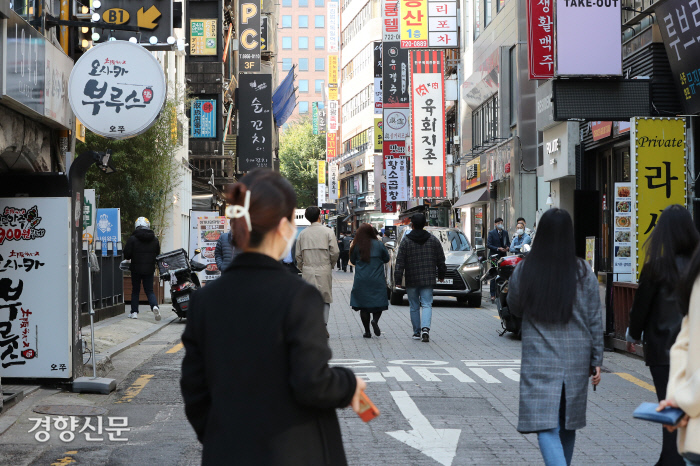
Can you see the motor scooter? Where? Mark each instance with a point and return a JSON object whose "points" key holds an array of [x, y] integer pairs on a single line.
{"points": [[181, 273]]}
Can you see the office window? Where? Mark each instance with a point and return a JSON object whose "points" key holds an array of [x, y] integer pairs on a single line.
{"points": [[320, 105], [303, 85], [286, 43], [286, 64], [286, 2], [303, 2], [286, 21], [303, 107], [477, 18], [303, 43], [487, 12], [319, 2], [320, 64], [319, 42], [318, 85], [303, 21], [303, 64], [320, 21]]}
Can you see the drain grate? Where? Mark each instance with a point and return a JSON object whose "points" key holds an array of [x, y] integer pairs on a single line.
{"points": [[70, 410]]}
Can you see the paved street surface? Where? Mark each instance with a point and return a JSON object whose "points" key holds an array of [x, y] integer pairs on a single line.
{"points": [[451, 401]]}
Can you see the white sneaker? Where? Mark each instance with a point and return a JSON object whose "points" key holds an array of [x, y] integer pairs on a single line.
{"points": [[156, 312], [134, 315]]}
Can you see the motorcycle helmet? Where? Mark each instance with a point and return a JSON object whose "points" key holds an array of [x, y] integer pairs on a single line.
{"points": [[142, 222]]}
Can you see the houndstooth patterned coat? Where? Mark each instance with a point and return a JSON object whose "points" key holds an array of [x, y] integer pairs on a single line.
{"points": [[558, 354]]}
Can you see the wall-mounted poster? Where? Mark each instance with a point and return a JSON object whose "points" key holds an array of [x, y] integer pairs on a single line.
{"points": [[203, 119], [209, 231], [622, 231], [203, 36]]}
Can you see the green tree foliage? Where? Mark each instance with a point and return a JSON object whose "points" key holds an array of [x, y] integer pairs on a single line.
{"points": [[146, 173], [299, 152]]}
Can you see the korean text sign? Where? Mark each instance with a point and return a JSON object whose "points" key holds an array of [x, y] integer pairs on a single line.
{"points": [[108, 228], [588, 37], [659, 160], [377, 78], [209, 232], [387, 206], [414, 23], [35, 290], [472, 173], [442, 24], [331, 146], [333, 26], [249, 12], [428, 123], [203, 36], [396, 178], [117, 89], [321, 172], [390, 21], [203, 117], [622, 231], [255, 121], [679, 22], [378, 134], [395, 73], [540, 39], [333, 181]]}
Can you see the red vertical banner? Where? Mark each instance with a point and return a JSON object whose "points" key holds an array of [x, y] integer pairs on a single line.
{"points": [[331, 146], [540, 39], [388, 207], [428, 123]]}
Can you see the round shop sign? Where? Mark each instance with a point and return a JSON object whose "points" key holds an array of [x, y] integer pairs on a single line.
{"points": [[117, 89]]}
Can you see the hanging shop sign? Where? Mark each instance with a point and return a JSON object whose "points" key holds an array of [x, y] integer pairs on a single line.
{"points": [[321, 195], [377, 78], [658, 158], [333, 26], [57, 71], [249, 35], [108, 228], [203, 117], [601, 129], [89, 217], [396, 174], [322, 121], [414, 23], [540, 39], [560, 150], [35, 290], [390, 21], [255, 121], [321, 172], [332, 77], [208, 234], [395, 90], [442, 24], [472, 174], [117, 89], [622, 231], [394, 148], [203, 35], [378, 134], [333, 182], [264, 28], [428, 123], [679, 22], [331, 146], [387, 206], [153, 17], [314, 118], [396, 124], [333, 116], [588, 38]]}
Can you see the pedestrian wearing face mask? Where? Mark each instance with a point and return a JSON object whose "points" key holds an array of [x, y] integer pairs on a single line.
{"points": [[498, 243], [521, 237]]}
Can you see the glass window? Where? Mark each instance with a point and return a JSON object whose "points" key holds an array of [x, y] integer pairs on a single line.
{"points": [[303, 2], [320, 42], [287, 43], [320, 105], [303, 43], [303, 85], [286, 64], [303, 21], [320, 21], [303, 107], [477, 18], [319, 2], [318, 85], [286, 21], [303, 64], [320, 64], [286, 2], [487, 12], [500, 4]]}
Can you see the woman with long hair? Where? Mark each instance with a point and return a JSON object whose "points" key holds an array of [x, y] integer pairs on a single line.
{"points": [[657, 312], [255, 378], [557, 296], [369, 287]]}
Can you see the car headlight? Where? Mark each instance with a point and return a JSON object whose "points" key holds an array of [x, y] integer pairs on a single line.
{"points": [[471, 268]]}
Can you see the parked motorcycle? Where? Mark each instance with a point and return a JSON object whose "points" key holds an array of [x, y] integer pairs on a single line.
{"points": [[501, 270], [181, 273]]}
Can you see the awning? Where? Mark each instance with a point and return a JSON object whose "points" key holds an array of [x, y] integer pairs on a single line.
{"points": [[478, 195]]}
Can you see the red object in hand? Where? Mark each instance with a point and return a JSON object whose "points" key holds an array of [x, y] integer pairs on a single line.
{"points": [[367, 409]]}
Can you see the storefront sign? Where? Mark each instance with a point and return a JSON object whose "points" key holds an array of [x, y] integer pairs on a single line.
{"points": [[396, 124], [658, 157], [378, 134], [396, 171], [559, 151], [377, 78], [472, 174], [333, 181], [331, 146], [495, 161], [153, 17], [414, 23], [208, 234], [540, 39], [332, 77], [333, 26], [255, 121], [194, 238], [622, 231], [333, 116], [314, 118], [203, 117], [57, 71], [679, 22], [249, 35], [109, 226], [601, 129], [203, 36], [442, 24], [395, 90], [394, 148], [321, 172], [117, 89], [321, 194], [387, 206], [544, 111], [264, 42], [428, 123], [35, 288], [322, 121], [89, 217], [588, 38], [390, 21]]}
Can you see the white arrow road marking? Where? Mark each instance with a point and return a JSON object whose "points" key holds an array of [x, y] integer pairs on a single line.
{"points": [[439, 444]]}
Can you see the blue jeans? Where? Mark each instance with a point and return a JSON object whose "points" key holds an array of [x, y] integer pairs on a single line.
{"points": [[147, 280], [418, 297], [557, 445]]}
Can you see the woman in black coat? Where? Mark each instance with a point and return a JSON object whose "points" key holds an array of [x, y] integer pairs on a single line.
{"points": [[256, 383], [656, 311]]}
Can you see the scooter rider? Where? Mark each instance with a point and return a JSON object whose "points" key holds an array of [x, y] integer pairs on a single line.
{"points": [[141, 248]]}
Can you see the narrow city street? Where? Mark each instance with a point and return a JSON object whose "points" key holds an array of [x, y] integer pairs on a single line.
{"points": [[451, 401]]}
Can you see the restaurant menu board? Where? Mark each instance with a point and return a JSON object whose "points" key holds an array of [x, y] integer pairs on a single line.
{"points": [[622, 229], [209, 232]]}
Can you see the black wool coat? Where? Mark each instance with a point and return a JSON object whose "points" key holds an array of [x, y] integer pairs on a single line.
{"points": [[255, 378]]}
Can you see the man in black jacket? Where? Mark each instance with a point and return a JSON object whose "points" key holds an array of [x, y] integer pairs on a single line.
{"points": [[497, 243], [421, 256], [141, 248]]}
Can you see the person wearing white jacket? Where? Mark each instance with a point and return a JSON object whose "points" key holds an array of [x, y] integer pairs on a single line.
{"points": [[684, 380]]}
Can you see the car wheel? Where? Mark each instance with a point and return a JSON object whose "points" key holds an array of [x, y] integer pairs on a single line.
{"points": [[396, 298], [474, 301]]}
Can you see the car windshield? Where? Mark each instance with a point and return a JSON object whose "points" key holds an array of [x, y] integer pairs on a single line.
{"points": [[452, 240]]}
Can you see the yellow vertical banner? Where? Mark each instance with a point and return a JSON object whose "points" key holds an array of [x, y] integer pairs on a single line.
{"points": [[333, 77], [321, 172], [414, 24], [378, 133], [658, 159]]}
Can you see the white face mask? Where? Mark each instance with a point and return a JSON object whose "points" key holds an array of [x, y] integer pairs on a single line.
{"points": [[519, 231], [499, 226], [290, 243]]}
